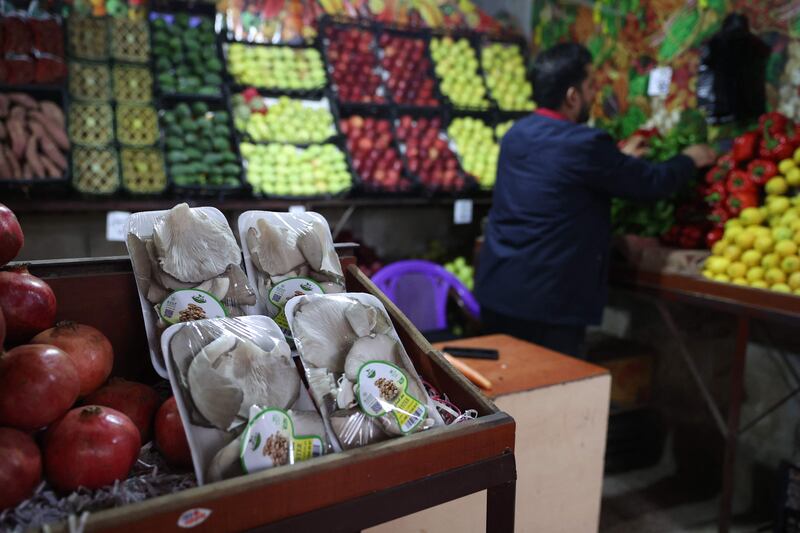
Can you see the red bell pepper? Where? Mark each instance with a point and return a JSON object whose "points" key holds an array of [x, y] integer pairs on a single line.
{"points": [[691, 236], [739, 181], [714, 235], [761, 171], [726, 162], [775, 148], [716, 174], [740, 200], [719, 215], [773, 123], [716, 193], [744, 147]]}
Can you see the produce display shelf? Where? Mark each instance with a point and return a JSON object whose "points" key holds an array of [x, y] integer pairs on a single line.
{"points": [[347, 491]]}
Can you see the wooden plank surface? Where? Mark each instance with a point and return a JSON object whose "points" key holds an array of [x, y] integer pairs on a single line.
{"points": [[523, 366]]}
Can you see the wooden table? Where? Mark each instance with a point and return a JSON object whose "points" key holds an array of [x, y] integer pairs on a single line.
{"points": [[744, 303], [560, 405]]}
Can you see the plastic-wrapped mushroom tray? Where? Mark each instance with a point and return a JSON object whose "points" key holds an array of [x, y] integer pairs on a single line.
{"points": [[95, 171], [89, 81], [88, 38]]}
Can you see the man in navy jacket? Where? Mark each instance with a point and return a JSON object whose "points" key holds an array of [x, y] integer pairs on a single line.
{"points": [[542, 274]]}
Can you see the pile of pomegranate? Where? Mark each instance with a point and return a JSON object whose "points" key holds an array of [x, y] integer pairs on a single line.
{"points": [[61, 418]]}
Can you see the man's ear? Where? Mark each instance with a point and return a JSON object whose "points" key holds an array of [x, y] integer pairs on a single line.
{"points": [[571, 98]]}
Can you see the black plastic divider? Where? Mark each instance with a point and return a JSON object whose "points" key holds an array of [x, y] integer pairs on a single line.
{"points": [[470, 184], [365, 188], [59, 96]]}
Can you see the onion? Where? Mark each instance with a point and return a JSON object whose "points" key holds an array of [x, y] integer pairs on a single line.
{"points": [[89, 349], [11, 238], [27, 302]]}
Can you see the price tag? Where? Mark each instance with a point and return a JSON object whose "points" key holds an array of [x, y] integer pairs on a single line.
{"points": [[658, 84], [115, 225], [462, 211], [297, 209]]}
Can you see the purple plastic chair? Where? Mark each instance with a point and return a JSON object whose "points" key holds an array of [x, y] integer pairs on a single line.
{"points": [[420, 288]]}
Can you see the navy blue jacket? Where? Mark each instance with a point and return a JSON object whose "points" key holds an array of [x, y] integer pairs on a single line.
{"points": [[546, 245]]}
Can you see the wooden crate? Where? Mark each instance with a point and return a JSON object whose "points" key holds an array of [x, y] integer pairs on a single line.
{"points": [[347, 491]]}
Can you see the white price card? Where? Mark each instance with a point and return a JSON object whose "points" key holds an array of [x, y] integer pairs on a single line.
{"points": [[115, 225], [462, 211], [297, 209], [658, 84]]}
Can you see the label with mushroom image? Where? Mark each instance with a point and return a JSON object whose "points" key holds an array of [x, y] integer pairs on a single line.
{"points": [[284, 291], [269, 441], [382, 389], [186, 305]]}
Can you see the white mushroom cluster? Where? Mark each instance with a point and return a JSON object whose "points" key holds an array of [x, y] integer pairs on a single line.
{"points": [[189, 250], [336, 335]]}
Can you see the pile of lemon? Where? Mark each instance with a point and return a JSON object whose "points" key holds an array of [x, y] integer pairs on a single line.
{"points": [[760, 248]]}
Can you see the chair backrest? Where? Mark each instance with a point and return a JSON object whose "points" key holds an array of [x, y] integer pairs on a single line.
{"points": [[420, 288]]}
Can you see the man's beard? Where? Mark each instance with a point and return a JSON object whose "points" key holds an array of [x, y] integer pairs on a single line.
{"points": [[583, 114]]}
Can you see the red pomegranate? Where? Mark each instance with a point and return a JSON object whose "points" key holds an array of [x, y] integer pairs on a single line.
{"points": [[136, 400], [20, 467], [170, 435], [11, 238]]}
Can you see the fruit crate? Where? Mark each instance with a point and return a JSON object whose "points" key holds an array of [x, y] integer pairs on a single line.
{"points": [[300, 190], [237, 102], [143, 171], [95, 171], [170, 133], [328, 30], [130, 40], [132, 84], [88, 38], [407, 184], [472, 39], [33, 183], [488, 121], [483, 43], [237, 84], [136, 125], [90, 81], [34, 50], [427, 468], [210, 52], [468, 183]]}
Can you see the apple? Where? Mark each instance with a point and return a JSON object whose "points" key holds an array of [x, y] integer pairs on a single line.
{"points": [[504, 68], [456, 65], [276, 67], [375, 157], [501, 129], [474, 141], [408, 66], [285, 120], [355, 72], [428, 153]]}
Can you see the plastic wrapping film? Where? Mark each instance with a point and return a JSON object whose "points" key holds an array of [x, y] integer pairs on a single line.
{"points": [[187, 267], [358, 371], [240, 397], [288, 255]]}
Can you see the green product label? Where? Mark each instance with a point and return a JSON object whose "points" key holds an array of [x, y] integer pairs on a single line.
{"points": [[269, 441], [186, 305], [284, 291], [382, 388]]}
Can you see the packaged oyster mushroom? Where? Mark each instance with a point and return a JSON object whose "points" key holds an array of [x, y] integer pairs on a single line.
{"points": [[288, 255], [240, 397], [358, 371], [187, 267]]}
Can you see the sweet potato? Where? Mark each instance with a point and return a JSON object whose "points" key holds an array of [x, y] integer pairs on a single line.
{"points": [[52, 130], [17, 113], [23, 99], [33, 158], [52, 111], [19, 138], [3, 132], [27, 173], [4, 105], [48, 146], [5, 167], [50, 168], [16, 169]]}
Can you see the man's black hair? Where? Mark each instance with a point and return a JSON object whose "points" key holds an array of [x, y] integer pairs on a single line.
{"points": [[556, 70]]}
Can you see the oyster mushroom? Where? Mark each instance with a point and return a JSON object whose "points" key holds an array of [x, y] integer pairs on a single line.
{"points": [[216, 397], [322, 333], [273, 248], [238, 291], [377, 348], [362, 318], [316, 245], [161, 277], [226, 463], [137, 249], [192, 247]]}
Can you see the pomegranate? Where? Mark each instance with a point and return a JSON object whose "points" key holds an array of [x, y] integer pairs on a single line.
{"points": [[2, 330], [38, 384], [170, 435], [90, 447], [136, 400], [20, 467], [28, 304], [11, 238], [89, 349]]}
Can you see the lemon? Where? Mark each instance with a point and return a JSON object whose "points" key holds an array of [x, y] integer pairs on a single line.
{"points": [[739, 281], [732, 232], [719, 247], [759, 284], [717, 265], [778, 206], [751, 216], [732, 252], [781, 287], [746, 239], [733, 223], [797, 155], [722, 277], [793, 177], [794, 280], [708, 274], [770, 261], [788, 217], [796, 238], [794, 225], [751, 258], [761, 230], [781, 233], [786, 248], [776, 186], [774, 275], [736, 270], [789, 264], [786, 165], [764, 243], [755, 274]]}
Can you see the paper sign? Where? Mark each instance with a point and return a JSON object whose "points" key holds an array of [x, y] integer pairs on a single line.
{"points": [[115, 225], [462, 211], [658, 84], [297, 209]]}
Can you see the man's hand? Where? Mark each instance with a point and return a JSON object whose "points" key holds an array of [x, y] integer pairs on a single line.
{"points": [[636, 146], [702, 155]]}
